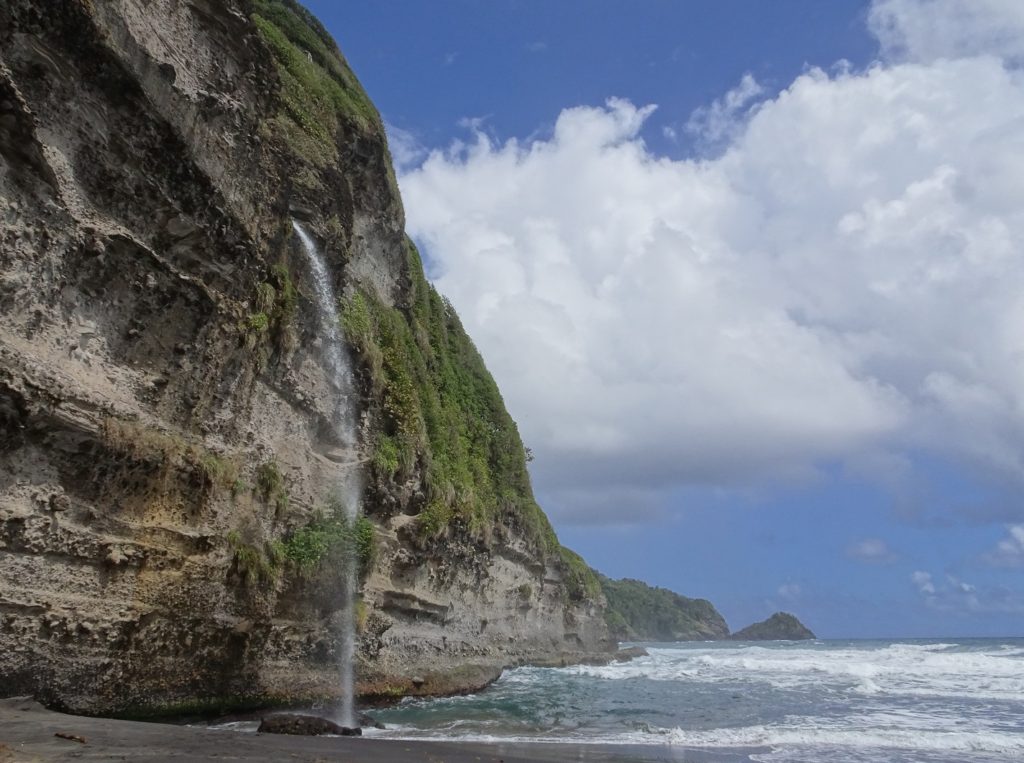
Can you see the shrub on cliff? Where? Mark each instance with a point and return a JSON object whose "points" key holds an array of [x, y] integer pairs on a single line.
{"points": [[441, 413], [328, 537]]}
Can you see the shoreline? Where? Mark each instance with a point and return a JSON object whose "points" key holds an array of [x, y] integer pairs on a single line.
{"points": [[28, 735]]}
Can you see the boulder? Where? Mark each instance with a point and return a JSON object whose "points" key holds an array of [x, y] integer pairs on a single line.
{"points": [[303, 725], [629, 653], [367, 721]]}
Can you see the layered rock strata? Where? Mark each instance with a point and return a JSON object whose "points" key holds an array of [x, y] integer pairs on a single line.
{"points": [[164, 415]]}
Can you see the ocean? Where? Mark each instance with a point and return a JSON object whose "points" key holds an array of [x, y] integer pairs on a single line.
{"points": [[926, 701]]}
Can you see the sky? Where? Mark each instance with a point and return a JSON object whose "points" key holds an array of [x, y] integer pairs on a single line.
{"points": [[749, 277]]}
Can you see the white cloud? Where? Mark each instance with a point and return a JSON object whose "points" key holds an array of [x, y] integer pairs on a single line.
{"points": [[1009, 552], [406, 149], [926, 30], [841, 284], [872, 551], [923, 581], [725, 117]]}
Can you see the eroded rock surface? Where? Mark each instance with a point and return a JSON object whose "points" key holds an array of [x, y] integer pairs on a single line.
{"points": [[164, 415]]}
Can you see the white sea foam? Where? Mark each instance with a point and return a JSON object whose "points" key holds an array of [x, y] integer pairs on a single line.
{"points": [[923, 670], [804, 734]]}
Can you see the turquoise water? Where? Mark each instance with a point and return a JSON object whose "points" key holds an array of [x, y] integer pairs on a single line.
{"points": [[948, 701]]}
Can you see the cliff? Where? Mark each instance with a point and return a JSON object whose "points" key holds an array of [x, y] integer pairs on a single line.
{"points": [[639, 612], [168, 465], [781, 626]]}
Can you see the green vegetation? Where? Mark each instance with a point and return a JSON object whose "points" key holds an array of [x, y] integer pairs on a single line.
{"points": [[217, 470], [143, 443], [270, 486], [256, 564], [318, 89], [258, 322], [168, 451], [434, 519], [276, 301], [581, 582], [280, 296], [637, 611], [330, 537], [269, 480], [441, 410], [386, 457]]}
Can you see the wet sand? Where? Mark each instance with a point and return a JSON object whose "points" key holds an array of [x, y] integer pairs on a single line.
{"points": [[28, 733]]}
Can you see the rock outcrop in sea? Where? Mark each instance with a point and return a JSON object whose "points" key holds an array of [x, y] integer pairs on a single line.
{"points": [[170, 530], [781, 626]]}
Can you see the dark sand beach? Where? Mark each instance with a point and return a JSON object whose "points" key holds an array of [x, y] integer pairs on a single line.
{"points": [[28, 732]]}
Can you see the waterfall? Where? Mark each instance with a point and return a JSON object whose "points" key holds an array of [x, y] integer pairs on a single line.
{"points": [[336, 360]]}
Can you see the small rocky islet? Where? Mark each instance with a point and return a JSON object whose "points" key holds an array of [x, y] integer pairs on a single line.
{"points": [[781, 626]]}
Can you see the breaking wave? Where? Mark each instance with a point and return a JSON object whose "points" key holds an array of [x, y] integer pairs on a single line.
{"points": [[795, 702]]}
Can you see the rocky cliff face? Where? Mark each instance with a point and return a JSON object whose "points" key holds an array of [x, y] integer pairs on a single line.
{"points": [[167, 458]]}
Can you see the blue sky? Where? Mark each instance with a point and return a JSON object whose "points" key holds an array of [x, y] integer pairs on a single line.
{"points": [[765, 338]]}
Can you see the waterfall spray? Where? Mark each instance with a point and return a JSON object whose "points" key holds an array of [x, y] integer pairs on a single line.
{"points": [[336, 359]]}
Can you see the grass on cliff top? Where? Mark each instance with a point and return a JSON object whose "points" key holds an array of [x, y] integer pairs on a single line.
{"points": [[442, 412], [581, 582], [318, 89]]}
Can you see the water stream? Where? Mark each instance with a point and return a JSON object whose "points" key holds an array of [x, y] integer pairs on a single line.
{"points": [[336, 360]]}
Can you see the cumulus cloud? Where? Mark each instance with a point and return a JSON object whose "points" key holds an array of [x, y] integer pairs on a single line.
{"points": [[871, 551], [926, 30], [1008, 552], [842, 283]]}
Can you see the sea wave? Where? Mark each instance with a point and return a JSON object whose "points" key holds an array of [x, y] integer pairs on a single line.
{"points": [[817, 702], [1003, 743], [803, 737], [921, 670]]}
